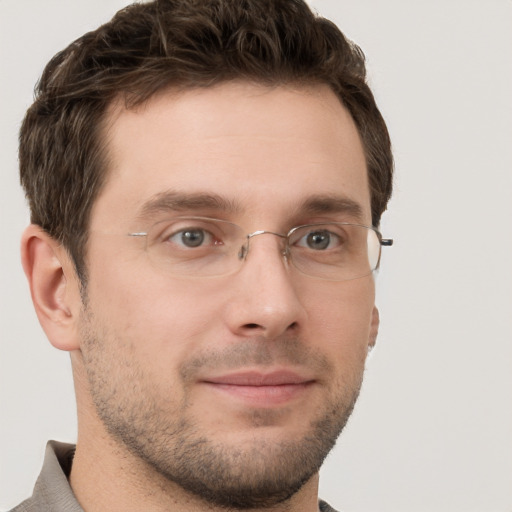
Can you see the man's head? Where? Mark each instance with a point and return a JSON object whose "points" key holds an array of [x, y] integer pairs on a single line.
{"points": [[166, 135], [178, 44]]}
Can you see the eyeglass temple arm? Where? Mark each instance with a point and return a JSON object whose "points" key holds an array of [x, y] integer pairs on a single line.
{"points": [[388, 242]]}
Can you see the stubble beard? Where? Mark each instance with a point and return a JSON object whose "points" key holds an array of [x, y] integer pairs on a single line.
{"points": [[261, 473]]}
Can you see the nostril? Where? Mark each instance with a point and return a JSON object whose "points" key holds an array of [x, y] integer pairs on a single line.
{"points": [[253, 326], [292, 326]]}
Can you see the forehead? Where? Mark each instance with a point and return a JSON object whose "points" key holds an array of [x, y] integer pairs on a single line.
{"points": [[261, 150]]}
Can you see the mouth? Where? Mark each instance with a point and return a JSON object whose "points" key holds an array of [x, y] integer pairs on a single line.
{"points": [[261, 389]]}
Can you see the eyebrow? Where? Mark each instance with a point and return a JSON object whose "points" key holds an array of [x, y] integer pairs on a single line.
{"points": [[332, 204], [172, 201]]}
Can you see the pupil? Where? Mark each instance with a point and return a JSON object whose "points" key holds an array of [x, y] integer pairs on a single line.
{"points": [[192, 238], [319, 240]]}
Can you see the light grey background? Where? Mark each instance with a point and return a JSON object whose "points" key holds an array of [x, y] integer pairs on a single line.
{"points": [[433, 428]]}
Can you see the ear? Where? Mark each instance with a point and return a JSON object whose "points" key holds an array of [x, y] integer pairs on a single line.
{"points": [[54, 287], [374, 328]]}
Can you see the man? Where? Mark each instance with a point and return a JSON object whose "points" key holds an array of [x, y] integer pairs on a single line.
{"points": [[206, 179]]}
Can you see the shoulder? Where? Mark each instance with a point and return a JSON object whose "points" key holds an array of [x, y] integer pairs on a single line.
{"points": [[52, 492], [28, 506], [325, 507]]}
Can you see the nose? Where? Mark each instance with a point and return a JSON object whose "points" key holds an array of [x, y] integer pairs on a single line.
{"points": [[264, 300]]}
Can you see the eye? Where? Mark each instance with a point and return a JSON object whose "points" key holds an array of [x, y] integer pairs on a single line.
{"points": [[191, 238], [320, 240]]}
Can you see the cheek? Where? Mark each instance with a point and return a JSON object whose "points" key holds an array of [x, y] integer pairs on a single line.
{"points": [[339, 318], [162, 320]]}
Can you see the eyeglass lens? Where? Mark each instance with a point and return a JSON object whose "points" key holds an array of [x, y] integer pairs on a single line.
{"points": [[201, 247]]}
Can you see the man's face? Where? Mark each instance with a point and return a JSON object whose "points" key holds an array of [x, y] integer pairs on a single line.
{"points": [[234, 387]]}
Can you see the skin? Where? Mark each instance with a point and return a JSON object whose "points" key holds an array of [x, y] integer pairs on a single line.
{"points": [[146, 346]]}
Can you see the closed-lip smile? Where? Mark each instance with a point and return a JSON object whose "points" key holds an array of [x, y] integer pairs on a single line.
{"points": [[261, 388]]}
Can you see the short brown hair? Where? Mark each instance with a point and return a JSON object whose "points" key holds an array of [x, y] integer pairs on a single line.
{"points": [[150, 46]]}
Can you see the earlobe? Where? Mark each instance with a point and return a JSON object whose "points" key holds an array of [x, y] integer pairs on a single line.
{"points": [[374, 328], [53, 286]]}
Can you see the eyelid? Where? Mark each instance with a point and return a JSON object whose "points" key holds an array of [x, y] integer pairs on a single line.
{"points": [[171, 227], [319, 226], [219, 229]]}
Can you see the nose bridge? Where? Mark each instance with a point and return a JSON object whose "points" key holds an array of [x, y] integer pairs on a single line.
{"points": [[245, 249], [267, 302]]}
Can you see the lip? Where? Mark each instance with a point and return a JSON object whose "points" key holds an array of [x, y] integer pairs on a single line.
{"points": [[262, 389], [257, 378]]}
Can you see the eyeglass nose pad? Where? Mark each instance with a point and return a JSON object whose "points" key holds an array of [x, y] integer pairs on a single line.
{"points": [[244, 250], [242, 253]]}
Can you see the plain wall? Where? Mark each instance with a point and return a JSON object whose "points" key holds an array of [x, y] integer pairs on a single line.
{"points": [[432, 430]]}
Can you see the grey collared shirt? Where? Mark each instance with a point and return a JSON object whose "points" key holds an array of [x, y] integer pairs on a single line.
{"points": [[52, 492]]}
